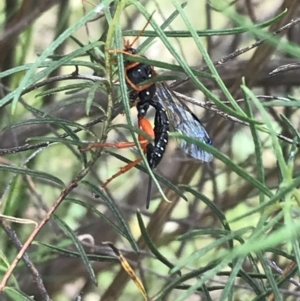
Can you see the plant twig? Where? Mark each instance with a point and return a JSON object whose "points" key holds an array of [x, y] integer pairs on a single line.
{"points": [[32, 269], [63, 195]]}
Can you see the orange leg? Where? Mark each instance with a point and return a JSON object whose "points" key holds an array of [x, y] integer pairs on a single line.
{"points": [[145, 125], [113, 145], [121, 171]]}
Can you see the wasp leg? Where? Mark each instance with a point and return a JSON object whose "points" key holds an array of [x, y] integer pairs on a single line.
{"points": [[122, 171], [144, 125], [112, 145]]}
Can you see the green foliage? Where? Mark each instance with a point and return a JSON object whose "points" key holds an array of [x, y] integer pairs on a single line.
{"points": [[195, 239]]}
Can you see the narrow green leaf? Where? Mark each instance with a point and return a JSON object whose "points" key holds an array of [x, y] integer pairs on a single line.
{"points": [[235, 168], [280, 194], [297, 253], [258, 147], [201, 33], [218, 242], [230, 282], [32, 173], [275, 142], [51, 120], [151, 245], [270, 277], [16, 294], [52, 66], [280, 103], [276, 41], [114, 209], [207, 59], [62, 37], [69, 232], [57, 140], [90, 98], [166, 23], [221, 216], [164, 65], [241, 115], [100, 214], [65, 88], [91, 257]]}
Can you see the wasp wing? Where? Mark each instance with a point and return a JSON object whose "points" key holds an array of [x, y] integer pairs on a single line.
{"points": [[184, 121]]}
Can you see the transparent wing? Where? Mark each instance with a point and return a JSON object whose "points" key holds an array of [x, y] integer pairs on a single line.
{"points": [[184, 121]]}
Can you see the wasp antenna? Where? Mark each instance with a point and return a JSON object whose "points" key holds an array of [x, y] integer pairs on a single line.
{"points": [[126, 44], [141, 32], [86, 1], [149, 193]]}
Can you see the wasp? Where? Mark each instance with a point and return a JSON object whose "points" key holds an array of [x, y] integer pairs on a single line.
{"points": [[175, 115], [170, 114]]}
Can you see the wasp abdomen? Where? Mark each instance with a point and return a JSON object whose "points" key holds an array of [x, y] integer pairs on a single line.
{"points": [[137, 75], [161, 128]]}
